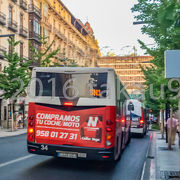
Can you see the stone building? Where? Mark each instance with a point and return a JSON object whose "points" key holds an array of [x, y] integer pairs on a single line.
{"points": [[13, 20], [30, 19], [70, 34], [129, 70]]}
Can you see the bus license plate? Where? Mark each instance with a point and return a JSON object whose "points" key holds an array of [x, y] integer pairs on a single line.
{"points": [[67, 155]]}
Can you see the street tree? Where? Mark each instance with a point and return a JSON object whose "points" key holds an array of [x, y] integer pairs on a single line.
{"points": [[63, 60], [15, 77], [162, 23], [43, 55]]}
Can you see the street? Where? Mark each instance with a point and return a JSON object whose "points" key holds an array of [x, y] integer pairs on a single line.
{"points": [[17, 163]]}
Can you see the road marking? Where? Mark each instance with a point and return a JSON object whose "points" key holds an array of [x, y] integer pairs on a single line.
{"points": [[144, 165], [16, 160]]}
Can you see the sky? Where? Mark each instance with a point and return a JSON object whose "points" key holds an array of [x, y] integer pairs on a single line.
{"points": [[112, 23]]}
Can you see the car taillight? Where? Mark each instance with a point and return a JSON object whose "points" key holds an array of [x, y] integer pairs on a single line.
{"points": [[141, 121]]}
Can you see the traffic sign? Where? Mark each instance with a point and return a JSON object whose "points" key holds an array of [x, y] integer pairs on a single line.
{"points": [[172, 64]]}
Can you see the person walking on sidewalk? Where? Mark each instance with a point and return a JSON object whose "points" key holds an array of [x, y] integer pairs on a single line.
{"points": [[174, 128]]}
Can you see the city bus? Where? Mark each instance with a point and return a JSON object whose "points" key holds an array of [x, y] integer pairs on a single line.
{"points": [[77, 112], [139, 123]]}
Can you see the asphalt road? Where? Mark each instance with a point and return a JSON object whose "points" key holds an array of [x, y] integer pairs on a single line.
{"points": [[17, 164]]}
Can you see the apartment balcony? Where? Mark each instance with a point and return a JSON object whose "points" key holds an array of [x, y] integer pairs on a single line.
{"points": [[23, 31], [15, 1], [23, 4], [12, 25], [2, 18], [34, 36], [60, 35], [33, 9], [2, 50]]}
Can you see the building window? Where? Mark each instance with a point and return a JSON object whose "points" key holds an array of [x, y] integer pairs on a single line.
{"points": [[36, 27], [21, 49], [45, 33], [21, 19], [45, 10], [10, 14]]}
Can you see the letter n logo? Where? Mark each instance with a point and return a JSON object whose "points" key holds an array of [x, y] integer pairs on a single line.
{"points": [[92, 121]]}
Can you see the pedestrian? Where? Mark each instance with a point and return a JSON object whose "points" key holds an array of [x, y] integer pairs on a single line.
{"points": [[173, 129], [20, 120]]}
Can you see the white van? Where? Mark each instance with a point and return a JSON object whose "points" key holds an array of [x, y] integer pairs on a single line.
{"points": [[138, 115]]}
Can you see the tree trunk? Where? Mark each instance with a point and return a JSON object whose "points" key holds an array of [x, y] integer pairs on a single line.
{"points": [[170, 131], [162, 123]]}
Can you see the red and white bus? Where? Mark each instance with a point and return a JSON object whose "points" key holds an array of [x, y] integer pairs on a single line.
{"points": [[77, 112]]}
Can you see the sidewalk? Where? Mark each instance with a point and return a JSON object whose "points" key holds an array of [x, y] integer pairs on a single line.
{"points": [[167, 161], [7, 132]]}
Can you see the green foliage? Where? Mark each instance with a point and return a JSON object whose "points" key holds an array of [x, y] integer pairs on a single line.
{"points": [[162, 23], [44, 55], [65, 61], [15, 77]]}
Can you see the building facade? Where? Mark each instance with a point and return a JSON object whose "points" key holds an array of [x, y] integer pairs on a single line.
{"points": [[129, 70], [30, 19], [73, 38], [13, 20]]}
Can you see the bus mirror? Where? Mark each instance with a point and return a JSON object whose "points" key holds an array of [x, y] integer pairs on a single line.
{"points": [[130, 107]]}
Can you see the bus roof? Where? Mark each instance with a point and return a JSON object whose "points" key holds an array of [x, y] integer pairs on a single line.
{"points": [[72, 69]]}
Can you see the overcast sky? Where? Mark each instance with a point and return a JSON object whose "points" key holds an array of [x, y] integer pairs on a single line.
{"points": [[112, 22]]}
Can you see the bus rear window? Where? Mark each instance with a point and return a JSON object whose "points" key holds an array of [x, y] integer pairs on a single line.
{"points": [[72, 85]]}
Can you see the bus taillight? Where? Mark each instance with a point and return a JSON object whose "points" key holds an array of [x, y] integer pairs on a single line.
{"points": [[108, 137], [108, 129], [31, 117], [109, 122], [31, 128], [31, 123], [68, 103], [108, 143]]}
